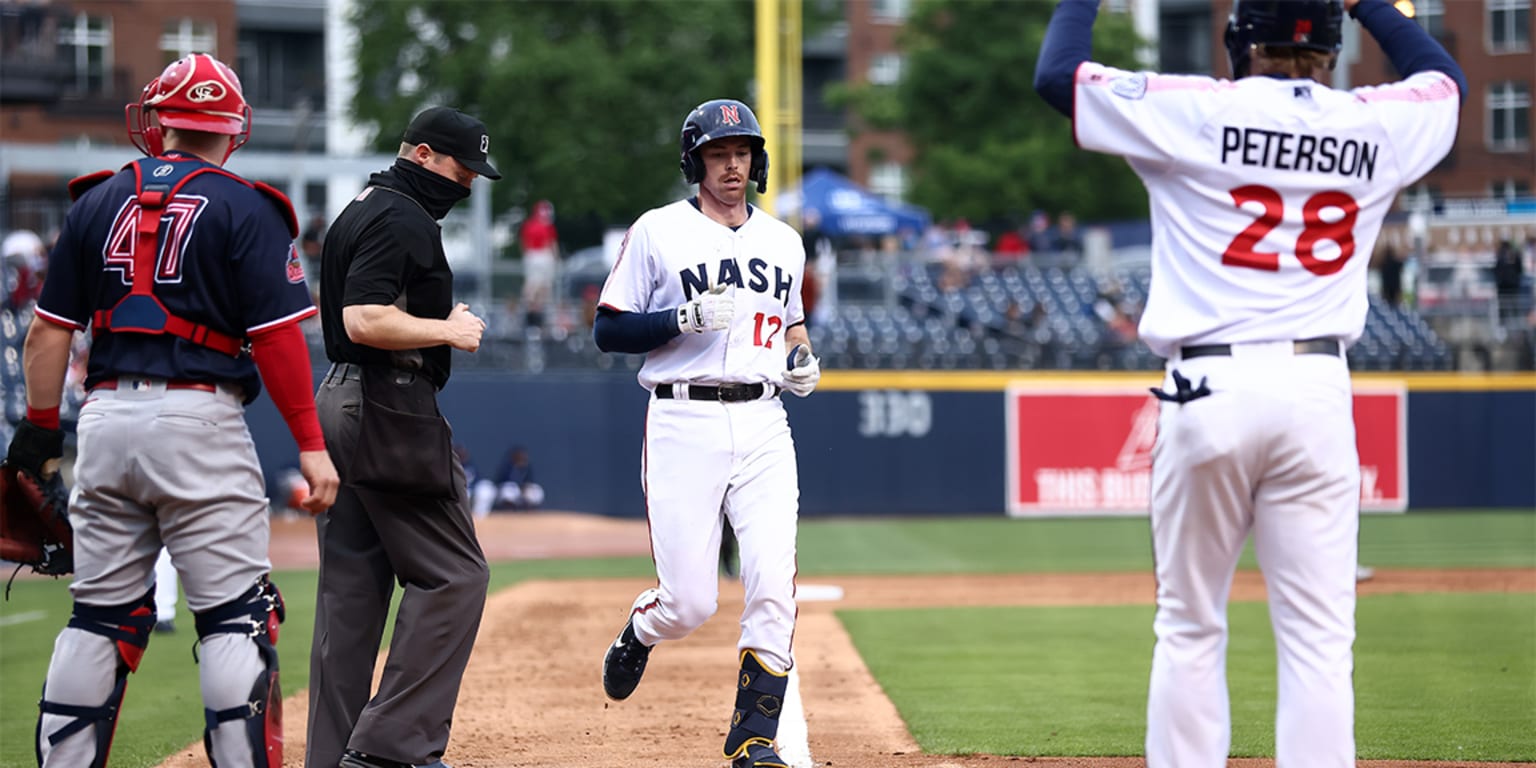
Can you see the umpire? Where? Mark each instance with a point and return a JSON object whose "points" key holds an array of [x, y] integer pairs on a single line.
{"points": [[402, 514]]}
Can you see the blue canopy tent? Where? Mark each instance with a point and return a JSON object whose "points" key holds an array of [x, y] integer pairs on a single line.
{"points": [[845, 208]]}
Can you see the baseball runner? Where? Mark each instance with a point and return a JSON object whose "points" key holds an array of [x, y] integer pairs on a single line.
{"points": [[1267, 195], [187, 277], [708, 288]]}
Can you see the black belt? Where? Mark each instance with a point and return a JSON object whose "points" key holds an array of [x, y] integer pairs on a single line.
{"points": [[1302, 347], [725, 393], [344, 372]]}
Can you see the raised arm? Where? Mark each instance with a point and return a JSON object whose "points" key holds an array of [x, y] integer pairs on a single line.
{"points": [[1068, 43], [1407, 45]]}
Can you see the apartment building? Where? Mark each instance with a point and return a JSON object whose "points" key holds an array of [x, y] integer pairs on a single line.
{"points": [[67, 68]]}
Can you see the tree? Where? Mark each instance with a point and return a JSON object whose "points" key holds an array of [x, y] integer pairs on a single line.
{"points": [[987, 146], [583, 99]]}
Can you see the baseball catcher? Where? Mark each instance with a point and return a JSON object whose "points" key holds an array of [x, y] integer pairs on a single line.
{"points": [[34, 517]]}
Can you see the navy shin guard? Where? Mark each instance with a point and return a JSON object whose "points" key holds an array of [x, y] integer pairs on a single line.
{"points": [[759, 700], [127, 627], [255, 615]]}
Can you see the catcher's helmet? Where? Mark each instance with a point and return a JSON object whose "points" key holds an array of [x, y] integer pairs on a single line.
{"points": [[1312, 24], [195, 93], [717, 119]]}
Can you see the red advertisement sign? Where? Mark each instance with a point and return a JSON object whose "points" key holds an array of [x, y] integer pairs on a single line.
{"points": [[1088, 451]]}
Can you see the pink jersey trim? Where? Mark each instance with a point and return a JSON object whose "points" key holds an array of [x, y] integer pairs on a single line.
{"points": [[1440, 90], [58, 320], [1077, 79], [303, 314], [1161, 83]]}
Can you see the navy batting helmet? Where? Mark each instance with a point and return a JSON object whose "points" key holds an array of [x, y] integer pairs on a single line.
{"points": [[717, 119], [1315, 25]]}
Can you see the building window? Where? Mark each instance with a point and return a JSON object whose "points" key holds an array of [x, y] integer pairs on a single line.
{"points": [[885, 69], [1181, 42], [1431, 16], [282, 70], [182, 37], [889, 181], [1509, 25], [85, 48], [1509, 116], [890, 10], [1509, 189]]}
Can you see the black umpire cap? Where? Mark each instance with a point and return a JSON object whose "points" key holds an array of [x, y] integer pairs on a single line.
{"points": [[453, 133]]}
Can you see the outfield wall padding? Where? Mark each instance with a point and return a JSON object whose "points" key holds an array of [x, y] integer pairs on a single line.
{"points": [[894, 451]]}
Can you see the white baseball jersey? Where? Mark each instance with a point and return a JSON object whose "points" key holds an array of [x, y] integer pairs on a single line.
{"points": [[674, 253], [1267, 195]]}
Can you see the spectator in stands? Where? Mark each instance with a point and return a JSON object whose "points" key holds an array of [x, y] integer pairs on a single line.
{"points": [[1014, 322], [1391, 270], [965, 257], [937, 243], [1530, 261], [1116, 312], [1040, 240], [1068, 239], [1011, 246], [1509, 278], [820, 280], [540, 243]]}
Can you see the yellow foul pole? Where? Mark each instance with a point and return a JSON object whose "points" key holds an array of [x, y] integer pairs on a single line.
{"points": [[779, 93]]}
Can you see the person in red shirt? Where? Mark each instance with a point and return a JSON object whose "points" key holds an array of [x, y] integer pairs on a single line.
{"points": [[540, 243]]}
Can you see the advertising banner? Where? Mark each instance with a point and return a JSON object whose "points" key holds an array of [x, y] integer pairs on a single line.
{"points": [[1088, 451]]}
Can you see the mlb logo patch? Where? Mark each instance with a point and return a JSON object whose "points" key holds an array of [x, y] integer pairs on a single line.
{"points": [[1303, 32]]}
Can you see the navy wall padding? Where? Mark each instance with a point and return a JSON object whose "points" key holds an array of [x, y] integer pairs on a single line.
{"points": [[583, 432], [1471, 449]]}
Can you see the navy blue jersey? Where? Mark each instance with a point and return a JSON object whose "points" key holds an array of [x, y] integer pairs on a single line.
{"points": [[226, 260]]}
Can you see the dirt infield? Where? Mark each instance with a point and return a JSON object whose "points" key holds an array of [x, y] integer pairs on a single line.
{"points": [[532, 697]]}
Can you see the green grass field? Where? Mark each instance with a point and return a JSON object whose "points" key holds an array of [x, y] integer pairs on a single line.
{"points": [[1439, 676]]}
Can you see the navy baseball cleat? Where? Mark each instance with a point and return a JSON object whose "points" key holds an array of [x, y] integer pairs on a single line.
{"points": [[624, 662], [759, 755]]}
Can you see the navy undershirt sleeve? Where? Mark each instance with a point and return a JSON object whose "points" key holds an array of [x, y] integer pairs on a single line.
{"points": [[1068, 43], [633, 332], [1406, 44]]}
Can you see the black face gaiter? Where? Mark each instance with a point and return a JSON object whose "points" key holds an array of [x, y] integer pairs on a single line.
{"points": [[436, 194]]}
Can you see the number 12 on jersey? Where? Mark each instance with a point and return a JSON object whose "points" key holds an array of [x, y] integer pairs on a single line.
{"points": [[1243, 250], [773, 322]]}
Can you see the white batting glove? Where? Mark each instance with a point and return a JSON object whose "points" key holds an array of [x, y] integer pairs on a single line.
{"points": [[709, 311], [804, 371]]}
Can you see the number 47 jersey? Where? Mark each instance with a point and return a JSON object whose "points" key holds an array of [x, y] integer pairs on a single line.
{"points": [[1267, 194]]}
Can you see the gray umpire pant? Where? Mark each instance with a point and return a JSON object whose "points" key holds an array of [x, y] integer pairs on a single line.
{"points": [[368, 541]]}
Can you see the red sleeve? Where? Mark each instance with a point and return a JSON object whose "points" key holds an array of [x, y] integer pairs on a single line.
{"points": [[282, 357]]}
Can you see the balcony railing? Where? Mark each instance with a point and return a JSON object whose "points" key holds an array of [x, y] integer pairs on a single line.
{"points": [[24, 79], [115, 90]]}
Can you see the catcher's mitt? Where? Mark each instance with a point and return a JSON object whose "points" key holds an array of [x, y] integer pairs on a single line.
{"points": [[34, 523]]}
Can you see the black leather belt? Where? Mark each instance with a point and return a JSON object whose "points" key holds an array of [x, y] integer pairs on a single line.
{"points": [[725, 393], [1303, 347], [344, 372]]}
